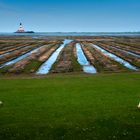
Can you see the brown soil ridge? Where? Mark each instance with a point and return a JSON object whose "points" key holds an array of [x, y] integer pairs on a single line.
{"points": [[99, 60]]}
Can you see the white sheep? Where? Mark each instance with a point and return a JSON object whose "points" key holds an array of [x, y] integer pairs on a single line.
{"points": [[138, 105], [1, 103]]}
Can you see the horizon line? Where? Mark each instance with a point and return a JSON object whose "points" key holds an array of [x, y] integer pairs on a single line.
{"points": [[80, 32]]}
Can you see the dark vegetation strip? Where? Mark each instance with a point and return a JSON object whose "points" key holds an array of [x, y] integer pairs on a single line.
{"points": [[19, 52], [34, 65], [29, 64], [15, 48], [34, 61], [6, 66], [66, 61], [129, 43], [129, 58], [19, 67], [128, 48], [102, 62], [5, 45], [126, 51], [122, 47], [10, 46]]}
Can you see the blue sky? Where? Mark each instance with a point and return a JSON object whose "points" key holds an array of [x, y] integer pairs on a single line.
{"points": [[70, 15]]}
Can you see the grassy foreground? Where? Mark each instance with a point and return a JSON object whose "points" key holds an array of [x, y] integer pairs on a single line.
{"points": [[70, 107]]}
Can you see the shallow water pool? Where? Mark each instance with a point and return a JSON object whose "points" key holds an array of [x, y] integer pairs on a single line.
{"points": [[45, 68], [116, 58], [20, 57], [87, 68]]}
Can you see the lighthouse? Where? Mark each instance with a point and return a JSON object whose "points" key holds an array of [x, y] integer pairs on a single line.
{"points": [[20, 29]]}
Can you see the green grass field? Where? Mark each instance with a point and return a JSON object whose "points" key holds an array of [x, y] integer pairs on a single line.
{"points": [[70, 107]]}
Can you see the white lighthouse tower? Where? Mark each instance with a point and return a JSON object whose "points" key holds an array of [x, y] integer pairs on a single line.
{"points": [[20, 29]]}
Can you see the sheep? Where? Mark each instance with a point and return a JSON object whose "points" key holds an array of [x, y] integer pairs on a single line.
{"points": [[1, 103], [138, 105]]}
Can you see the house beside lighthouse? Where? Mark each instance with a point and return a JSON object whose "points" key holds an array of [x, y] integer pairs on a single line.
{"points": [[21, 29]]}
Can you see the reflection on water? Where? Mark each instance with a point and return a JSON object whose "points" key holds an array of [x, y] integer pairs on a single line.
{"points": [[87, 68], [19, 58], [45, 68], [9, 52], [131, 53], [2, 55], [116, 58]]}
